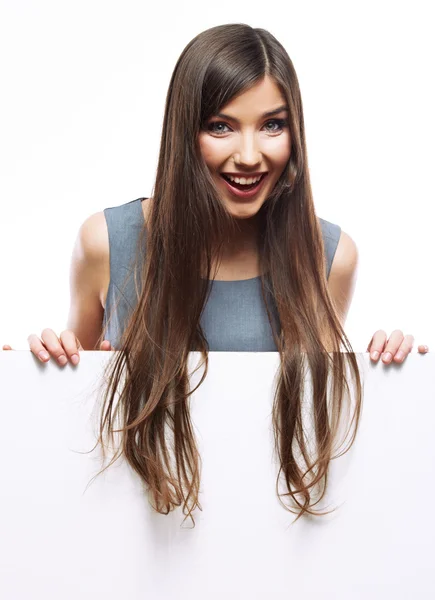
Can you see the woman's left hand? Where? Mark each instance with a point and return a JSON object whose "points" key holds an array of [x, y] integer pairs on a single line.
{"points": [[396, 349]]}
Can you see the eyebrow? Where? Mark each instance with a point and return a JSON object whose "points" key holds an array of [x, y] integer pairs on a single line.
{"points": [[269, 113]]}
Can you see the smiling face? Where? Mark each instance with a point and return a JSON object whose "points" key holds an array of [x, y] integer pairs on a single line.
{"points": [[246, 147]]}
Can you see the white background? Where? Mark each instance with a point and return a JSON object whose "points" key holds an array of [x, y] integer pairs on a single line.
{"points": [[83, 86]]}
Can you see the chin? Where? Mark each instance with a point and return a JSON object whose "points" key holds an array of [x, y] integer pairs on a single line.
{"points": [[243, 212]]}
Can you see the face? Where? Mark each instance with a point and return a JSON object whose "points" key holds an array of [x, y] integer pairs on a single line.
{"points": [[246, 147]]}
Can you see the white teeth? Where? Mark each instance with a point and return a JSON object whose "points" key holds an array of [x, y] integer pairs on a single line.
{"points": [[244, 180]]}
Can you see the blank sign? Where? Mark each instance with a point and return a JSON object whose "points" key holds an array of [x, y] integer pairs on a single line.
{"points": [[62, 540]]}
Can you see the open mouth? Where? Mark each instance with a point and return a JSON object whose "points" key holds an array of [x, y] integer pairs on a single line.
{"points": [[244, 187]]}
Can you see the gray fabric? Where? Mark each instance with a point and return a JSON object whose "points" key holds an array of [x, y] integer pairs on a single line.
{"points": [[233, 320]]}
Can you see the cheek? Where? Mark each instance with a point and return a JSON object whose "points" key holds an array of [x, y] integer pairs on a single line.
{"points": [[282, 150], [211, 151]]}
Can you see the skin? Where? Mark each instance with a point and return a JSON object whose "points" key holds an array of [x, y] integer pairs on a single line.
{"points": [[245, 142], [341, 284]]}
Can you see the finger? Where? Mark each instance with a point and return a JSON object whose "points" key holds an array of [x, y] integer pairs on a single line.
{"points": [[7, 347], [52, 345], [404, 349], [106, 345], [38, 348], [71, 345], [377, 344], [392, 346]]}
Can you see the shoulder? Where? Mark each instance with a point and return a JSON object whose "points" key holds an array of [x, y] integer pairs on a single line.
{"points": [[91, 252], [346, 257], [93, 238], [343, 274]]}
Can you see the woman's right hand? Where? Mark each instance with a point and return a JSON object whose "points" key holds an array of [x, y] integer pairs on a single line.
{"points": [[62, 349]]}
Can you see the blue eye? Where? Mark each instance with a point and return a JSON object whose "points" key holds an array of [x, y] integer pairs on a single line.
{"points": [[211, 127], [217, 127], [281, 123]]}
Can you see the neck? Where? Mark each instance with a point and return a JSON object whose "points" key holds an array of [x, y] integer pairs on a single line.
{"points": [[240, 256], [243, 241]]}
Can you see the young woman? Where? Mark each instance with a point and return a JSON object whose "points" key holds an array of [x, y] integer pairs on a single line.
{"points": [[228, 254]]}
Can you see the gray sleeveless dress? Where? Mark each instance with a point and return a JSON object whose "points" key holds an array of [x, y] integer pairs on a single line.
{"points": [[233, 320]]}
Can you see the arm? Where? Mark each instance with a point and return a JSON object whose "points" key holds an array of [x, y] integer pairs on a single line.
{"points": [[341, 284], [88, 272], [343, 275]]}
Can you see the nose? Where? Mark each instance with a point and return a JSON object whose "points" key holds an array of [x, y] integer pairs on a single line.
{"points": [[248, 153]]}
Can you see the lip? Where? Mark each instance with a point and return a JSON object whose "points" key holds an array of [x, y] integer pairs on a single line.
{"points": [[246, 175], [249, 193]]}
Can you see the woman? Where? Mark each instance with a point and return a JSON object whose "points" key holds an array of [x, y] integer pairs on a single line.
{"points": [[228, 254]]}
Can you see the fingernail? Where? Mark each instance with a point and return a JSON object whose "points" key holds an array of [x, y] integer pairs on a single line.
{"points": [[43, 355], [74, 359], [400, 355], [375, 355], [387, 356], [62, 360]]}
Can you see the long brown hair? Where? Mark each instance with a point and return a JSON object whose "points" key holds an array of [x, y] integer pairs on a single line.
{"points": [[185, 232]]}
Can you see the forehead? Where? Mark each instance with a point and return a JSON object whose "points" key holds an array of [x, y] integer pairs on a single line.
{"points": [[262, 97]]}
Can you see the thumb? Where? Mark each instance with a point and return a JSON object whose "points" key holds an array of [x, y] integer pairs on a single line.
{"points": [[106, 345], [7, 347]]}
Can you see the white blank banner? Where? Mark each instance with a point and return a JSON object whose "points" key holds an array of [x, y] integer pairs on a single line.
{"points": [[58, 542]]}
